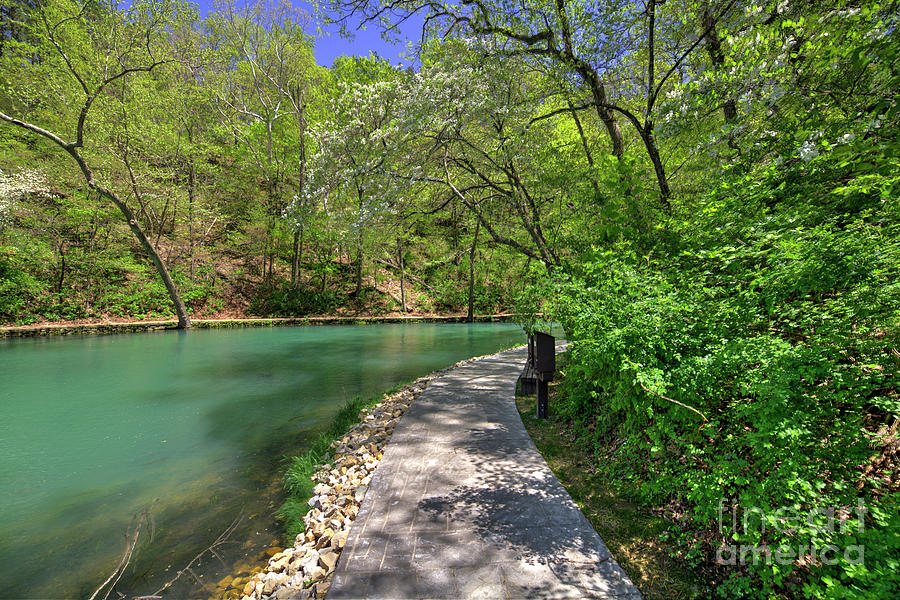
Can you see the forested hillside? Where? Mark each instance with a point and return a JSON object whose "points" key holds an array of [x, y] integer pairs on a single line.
{"points": [[704, 193], [147, 132]]}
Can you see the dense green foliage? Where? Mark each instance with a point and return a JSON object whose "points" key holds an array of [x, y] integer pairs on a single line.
{"points": [[208, 140], [742, 360], [703, 193], [778, 324]]}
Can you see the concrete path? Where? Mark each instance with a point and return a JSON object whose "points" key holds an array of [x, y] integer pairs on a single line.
{"points": [[462, 505]]}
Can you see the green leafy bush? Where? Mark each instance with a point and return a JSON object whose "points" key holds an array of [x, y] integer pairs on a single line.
{"points": [[298, 484], [143, 298], [281, 301], [751, 366], [18, 290]]}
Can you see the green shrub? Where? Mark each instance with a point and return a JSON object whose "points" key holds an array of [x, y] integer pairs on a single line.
{"points": [[19, 292], [279, 301], [142, 298], [298, 483], [747, 367]]}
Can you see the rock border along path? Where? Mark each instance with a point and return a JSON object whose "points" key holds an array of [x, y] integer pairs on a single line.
{"points": [[303, 571], [462, 505]]}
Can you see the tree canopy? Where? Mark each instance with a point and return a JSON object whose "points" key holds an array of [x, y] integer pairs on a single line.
{"points": [[702, 192]]}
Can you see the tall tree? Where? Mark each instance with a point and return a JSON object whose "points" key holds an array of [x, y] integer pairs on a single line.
{"points": [[349, 174], [264, 75], [467, 125], [81, 54], [597, 43]]}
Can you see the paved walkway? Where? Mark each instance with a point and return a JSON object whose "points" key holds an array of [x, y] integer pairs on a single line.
{"points": [[462, 505]]}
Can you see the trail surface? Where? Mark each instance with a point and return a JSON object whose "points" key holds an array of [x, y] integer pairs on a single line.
{"points": [[463, 505]]}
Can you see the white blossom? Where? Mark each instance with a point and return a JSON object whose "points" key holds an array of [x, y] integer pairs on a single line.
{"points": [[808, 151], [17, 185]]}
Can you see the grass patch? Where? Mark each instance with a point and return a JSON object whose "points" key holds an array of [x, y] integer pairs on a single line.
{"points": [[634, 535], [298, 483]]}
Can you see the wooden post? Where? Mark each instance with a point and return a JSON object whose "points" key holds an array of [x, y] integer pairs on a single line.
{"points": [[542, 398]]}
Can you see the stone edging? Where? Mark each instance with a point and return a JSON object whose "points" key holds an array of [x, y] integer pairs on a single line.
{"points": [[137, 327], [305, 570]]}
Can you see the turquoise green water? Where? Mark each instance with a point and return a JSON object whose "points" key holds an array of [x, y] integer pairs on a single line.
{"points": [[193, 424]]}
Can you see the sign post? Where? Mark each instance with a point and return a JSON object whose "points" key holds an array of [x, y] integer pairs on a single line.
{"points": [[545, 366]]}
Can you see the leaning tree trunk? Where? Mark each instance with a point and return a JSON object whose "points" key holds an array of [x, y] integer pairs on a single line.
{"points": [[653, 152], [71, 148], [598, 91], [184, 321]]}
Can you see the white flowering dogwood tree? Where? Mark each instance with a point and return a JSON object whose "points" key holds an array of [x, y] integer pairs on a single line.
{"points": [[351, 175], [473, 131], [15, 185], [463, 127], [618, 59]]}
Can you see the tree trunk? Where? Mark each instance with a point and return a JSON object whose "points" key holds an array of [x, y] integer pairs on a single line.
{"points": [[658, 167], [359, 265], [300, 256], [271, 249], [402, 276], [606, 115], [62, 270], [717, 58], [470, 316], [295, 258], [298, 241], [584, 142], [184, 321], [192, 194]]}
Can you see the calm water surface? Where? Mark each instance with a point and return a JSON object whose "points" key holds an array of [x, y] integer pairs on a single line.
{"points": [[192, 425]]}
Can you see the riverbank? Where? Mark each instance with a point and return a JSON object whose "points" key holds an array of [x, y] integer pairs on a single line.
{"points": [[203, 421], [106, 328], [340, 482]]}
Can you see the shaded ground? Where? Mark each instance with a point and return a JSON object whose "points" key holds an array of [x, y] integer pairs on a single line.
{"points": [[462, 505], [635, 536]]}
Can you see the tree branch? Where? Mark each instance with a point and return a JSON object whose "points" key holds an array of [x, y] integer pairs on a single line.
{"points": [[569, 109], [646, 389]]}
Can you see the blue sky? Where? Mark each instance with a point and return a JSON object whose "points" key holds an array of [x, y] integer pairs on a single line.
{"points": [[333, 45]]}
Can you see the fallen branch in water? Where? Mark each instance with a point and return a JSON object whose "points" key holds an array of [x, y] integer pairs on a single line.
{"points": [[223, 537], [131, 535]]}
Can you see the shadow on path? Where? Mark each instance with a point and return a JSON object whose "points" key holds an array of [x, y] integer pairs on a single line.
{"points": [[463, 506]]}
